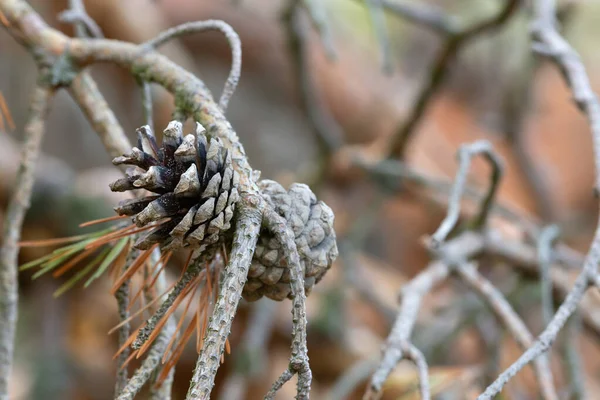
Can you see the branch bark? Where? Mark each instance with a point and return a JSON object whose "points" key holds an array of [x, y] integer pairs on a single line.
{"points": [[19, 203], [236, 272]]}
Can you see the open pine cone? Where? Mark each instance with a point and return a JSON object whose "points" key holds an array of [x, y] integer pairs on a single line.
{"points": [[194, 186], [312, 224]]}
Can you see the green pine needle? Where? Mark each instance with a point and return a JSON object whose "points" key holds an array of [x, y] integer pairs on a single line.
{"points": [[79, 275], [110, 258]]}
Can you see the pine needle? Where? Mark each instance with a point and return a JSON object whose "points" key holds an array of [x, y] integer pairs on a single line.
{"points": [[102, 220], [112, 255]]}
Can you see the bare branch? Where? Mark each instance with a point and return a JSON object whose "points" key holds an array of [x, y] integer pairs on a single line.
{"points": [[328, 131], [554, 45], [299, 358], [454, 42], [85, 26], [13, 222], [511, 320], [460, 248], [414, 354], [545, 240], [574, 364], [146, 90], [87, 95], [122, 296], [201, 26], [466, 154]]}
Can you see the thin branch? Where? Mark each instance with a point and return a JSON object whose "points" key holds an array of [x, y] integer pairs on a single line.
{"points": [[414, 354], [235, 275], [466, 154], [460, 248], [85, 26], [545, 240], [278, 384], [86, 94], [299, 358], [162, 390], [375, 9], [567, 59], [146, 90], [454, 42], [201, 26], [13, 222], [511, 320], [122, 296], [328, 131], [574, 364]]}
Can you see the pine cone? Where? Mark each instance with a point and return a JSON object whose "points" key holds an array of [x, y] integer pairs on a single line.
{"points": [[194, 186], [312, 224]]}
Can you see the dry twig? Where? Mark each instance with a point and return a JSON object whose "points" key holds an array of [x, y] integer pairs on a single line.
{"points": [[201, 26], [552, 44], [454, 42], [13, 222], [328, 131]]}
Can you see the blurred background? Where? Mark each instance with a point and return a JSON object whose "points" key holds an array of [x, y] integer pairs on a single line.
{"points": [[495, 89]]}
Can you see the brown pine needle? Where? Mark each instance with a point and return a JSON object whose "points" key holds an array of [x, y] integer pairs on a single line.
{"points": [[225, 255], [192, 285], [73, 262], [208, 280], [179, 324], [101, 220], [120, 261], [146, 284], [199, 310], [141, 310], [133, 268], [204, 325], [4, 109], [51, 242], [179, 349], [121, 233]]}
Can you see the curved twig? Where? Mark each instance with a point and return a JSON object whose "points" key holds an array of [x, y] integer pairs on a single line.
{"points": [[201, 26], [466, 154]]}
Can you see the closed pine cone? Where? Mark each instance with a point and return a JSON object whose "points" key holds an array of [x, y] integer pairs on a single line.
{"points": [[312, 225]]}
